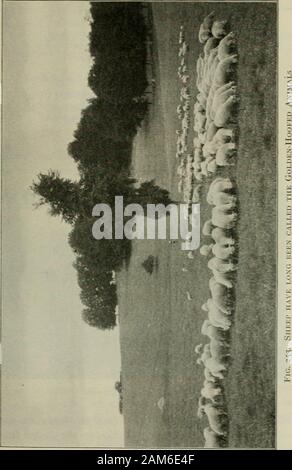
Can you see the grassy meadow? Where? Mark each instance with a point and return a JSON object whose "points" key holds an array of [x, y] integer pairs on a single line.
{"points": [[159, 326]]}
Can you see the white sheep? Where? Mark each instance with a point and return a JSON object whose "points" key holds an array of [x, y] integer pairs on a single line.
{"points": [[207, 228], [212, 439], [218, 250], [201, 403], [222, 266], [225, 154], [208, 329], [215, 368], [198, 108], [217, 186], [216, 316], [222, 251], [223, 70], [225, 112], [226, 46], [202, 99], [223, 135], [219, 235], [220, 97], [204, 34], [209, 45], [221, 217], [185, 79], [209, 376], [197, 144], [204, 168], [210, 391], [209, 149], [226, 279], [211, 132], [220, 296], [217, 418], [218, 29]]}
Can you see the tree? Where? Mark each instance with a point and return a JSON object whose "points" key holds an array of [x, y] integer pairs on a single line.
{"points": [[61, 194]]}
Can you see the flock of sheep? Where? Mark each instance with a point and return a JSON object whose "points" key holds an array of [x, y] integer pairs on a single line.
{"points": [[214, 148]]}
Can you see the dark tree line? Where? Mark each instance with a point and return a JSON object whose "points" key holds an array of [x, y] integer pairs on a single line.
{"points": [[101, 148]]}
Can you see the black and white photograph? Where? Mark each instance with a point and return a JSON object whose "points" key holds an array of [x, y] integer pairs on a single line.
{"points": [[139, 224]]}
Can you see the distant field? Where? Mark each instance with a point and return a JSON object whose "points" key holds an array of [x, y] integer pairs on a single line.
{"points": [[159, 327]]}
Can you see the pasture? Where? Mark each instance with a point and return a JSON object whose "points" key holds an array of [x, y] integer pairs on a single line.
{"points": [[159, 326]]}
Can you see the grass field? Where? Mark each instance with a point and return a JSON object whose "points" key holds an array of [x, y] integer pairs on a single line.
{"points": [[159, 327]]}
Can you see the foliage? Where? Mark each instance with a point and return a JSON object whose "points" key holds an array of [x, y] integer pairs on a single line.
{"points": [[101, 148]]}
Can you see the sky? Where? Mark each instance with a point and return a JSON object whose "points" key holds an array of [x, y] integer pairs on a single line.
{"points": [[58, 373]]}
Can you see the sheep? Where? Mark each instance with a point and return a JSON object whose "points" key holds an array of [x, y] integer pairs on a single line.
{"points": [[204, 34], [199, 122], [206, 354], [209, 376], [185, 79], [205, 250], [218, 29], [201, 403], [207, 228], [218, 250], [212, 165], [198, 175], [208, 20], [223, 135], [197, 144], [220, 265], [225, 112], [209, 45], [225, 154], [217, 418], [222, 252], [226, 46], [224, 278], [223, 70], [208, 329], [221, 184], [212, 439], [218, 192], [216, 316], [204, 168], [210, 391], [200, 67], [202, 99], [219, 235], [198, 108], [221, 95], [211, 71], [215, 368], [197, 166], [209, 149], [220, 296], [198, 155], [211, 132], [221, 217], [183, 49]]}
